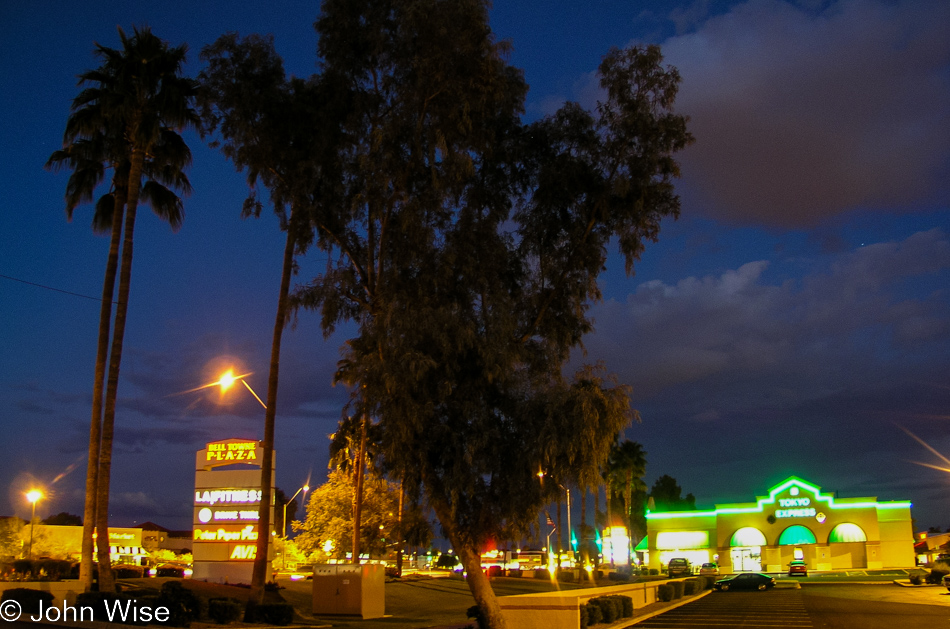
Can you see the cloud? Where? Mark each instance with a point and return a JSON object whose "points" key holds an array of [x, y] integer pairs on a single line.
{"points": [[815, 334], [804, 112]]}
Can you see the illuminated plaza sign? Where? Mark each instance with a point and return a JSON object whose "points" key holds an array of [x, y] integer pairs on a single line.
{"points": [[227, 505], [227, 534], [227, 496], [232, 452]]}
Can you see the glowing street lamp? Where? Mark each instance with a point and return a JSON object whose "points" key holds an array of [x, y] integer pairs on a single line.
{"points": [[228, 378], [33, 496], [283, 555]]}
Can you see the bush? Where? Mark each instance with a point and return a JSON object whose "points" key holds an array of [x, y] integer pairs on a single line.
{"points": [[23, 567], [618, 576], [224, 610], [97, 601], [915, 579], [654, 572], [678, 587], [495, 571], [28, 599], [610, 608], [594, 615], [274, 613], [937, 572], [514, 572], [447, 561], [475, 612], [542, 573], [566, 576], [183, 606], [585, 616], [691, 586], [53, 569], [665, 592]]}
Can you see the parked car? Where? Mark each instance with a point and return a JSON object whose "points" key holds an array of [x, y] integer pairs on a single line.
{"points": [[798, 567], [709, 570], [946, 581], [679, 567], [745, 581]]}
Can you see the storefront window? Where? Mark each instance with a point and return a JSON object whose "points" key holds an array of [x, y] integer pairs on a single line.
{"points": [[795, 535], [847, 532]]}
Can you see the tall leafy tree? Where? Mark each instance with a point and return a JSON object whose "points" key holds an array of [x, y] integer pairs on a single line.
{"points": [[126, 119], [666, 495], [279, 131], [466, 246]]}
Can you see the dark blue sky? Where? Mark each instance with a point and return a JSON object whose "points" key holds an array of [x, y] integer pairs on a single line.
{"points": [[791, 322]]}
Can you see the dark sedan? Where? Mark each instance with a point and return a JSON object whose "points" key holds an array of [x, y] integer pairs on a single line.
{"points": [[745, 581]]}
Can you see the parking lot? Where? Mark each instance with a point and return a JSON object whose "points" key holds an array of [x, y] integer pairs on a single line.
{"points": [[775, 608]]}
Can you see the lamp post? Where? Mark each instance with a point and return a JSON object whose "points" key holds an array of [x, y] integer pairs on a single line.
{"points": [[33, 496], [283, 555]]}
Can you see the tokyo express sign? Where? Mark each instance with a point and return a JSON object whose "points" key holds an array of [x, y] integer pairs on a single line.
{"points": [[795, 508]]}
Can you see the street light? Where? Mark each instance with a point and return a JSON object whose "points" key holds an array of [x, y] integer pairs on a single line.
{"points": [[283, 555], [228, 378], [33, 496]]}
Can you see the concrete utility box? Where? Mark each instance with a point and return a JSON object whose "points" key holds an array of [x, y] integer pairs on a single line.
{"points": [[348, 589]]}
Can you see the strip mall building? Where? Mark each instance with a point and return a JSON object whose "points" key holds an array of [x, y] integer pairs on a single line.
{"points": [[794, 521]]}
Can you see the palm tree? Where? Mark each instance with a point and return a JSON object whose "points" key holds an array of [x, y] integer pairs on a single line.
{"points": [[627, 466], [128, 119]]}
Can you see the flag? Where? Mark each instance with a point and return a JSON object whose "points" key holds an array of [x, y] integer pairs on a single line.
{"points": [[548, 517]]}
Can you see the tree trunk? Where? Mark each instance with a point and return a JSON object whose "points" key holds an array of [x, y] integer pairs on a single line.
{"points": [[259, 571], [480, 586], [627, 497], [358, 491], [95, 424], [402, 536], [106, 577], [585, 536], [560, 532]]}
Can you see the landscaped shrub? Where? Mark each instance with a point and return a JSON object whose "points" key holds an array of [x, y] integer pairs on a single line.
{"points": [[915, 579], [542, 573], [97, 601], [623, 604], [566, 576], [654, 572], [224, 610], [52, 569], [183, 606], [609, 607], [678, 588], [23, 568], [690, 587], [937, 572], [475, 612], [274, 613], [594, 615], [664, 592], [585, 616], [28, 599], [514, 572]]}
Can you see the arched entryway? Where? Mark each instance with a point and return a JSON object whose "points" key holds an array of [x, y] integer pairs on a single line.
{"points": [[848, 545], [746, 549]]}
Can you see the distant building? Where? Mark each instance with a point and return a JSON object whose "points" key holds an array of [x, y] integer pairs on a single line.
{"points": [[155, 536], [794, 521], [932, 546]]}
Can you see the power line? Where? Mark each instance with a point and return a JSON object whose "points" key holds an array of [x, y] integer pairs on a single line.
{"points": [[58, 290]]}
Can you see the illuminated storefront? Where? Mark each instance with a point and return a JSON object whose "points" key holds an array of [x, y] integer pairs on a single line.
{"points": [[794, 521], [227, 500]]}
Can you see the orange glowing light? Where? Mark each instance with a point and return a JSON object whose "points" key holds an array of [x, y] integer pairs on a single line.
{"points": [[34, 495]]}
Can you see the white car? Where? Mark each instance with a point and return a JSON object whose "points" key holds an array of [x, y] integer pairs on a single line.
{"points": [[709, 570]]}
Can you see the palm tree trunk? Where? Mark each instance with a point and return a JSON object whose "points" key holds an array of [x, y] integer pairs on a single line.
{"points": [[106, 578], [585, 536], [358, 491], [95, 424], [259, 571], [627, 490]]}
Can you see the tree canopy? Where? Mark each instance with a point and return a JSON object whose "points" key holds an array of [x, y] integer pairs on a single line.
{"points": [[666, 495], [463, 243]]}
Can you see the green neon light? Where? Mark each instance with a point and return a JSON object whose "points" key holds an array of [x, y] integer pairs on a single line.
{"points": [[760, 505]]}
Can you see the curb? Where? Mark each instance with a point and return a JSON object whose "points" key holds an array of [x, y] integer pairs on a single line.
{"points": [[647, 616]]}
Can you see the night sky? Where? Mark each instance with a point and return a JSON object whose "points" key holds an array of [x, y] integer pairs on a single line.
{"points": [[795, 320]]}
